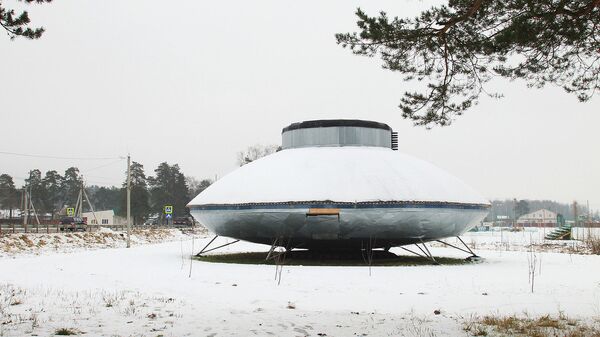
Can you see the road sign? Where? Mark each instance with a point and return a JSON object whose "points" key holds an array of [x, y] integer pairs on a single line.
{"points": [[168, 216], [70, 211], [169, 209]]}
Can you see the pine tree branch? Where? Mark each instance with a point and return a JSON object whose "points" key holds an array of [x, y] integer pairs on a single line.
{"points": [[475, 6], [18, 26], [542, 41]]}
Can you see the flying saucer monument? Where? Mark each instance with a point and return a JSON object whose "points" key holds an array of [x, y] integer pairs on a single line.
{"points": [[339, 185]]}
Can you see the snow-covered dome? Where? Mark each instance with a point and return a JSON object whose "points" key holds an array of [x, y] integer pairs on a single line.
{"points": [[339, 174]]}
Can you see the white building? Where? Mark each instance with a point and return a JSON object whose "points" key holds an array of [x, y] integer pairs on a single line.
{"points": [[542, 217], [5, 213], [106, 218]]}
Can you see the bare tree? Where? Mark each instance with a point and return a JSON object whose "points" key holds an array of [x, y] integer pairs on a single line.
{"points": [[255, 152], [196, 186]]}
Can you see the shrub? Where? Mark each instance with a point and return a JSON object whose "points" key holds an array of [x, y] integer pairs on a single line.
{"points": [[593, 244], [65, 332]]}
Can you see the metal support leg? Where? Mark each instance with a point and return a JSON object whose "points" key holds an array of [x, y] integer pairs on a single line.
{"points": [[458, 237], [428, 253], [425, 255], [473, 257], [453, 246], [204, 250], [208, 244], [410, 251]]}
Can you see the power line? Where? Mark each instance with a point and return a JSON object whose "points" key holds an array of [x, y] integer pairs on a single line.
{"points": [[101, 166], [58, 157], [105, 183]]}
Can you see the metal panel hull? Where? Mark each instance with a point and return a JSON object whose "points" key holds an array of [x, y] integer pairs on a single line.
{"points": [[352, 229]]}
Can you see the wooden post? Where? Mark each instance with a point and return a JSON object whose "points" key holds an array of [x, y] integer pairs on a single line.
{"points": [[13, 227], [47, 228]]}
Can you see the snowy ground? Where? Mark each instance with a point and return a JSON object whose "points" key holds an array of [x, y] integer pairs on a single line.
{"points": [[503, 239], [147, 291]]}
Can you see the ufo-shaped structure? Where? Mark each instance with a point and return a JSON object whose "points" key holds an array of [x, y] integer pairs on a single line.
{"points": [[339, 184]]}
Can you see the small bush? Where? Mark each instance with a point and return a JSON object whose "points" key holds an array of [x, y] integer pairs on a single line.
{"points": [[65, 332], [548, 322], [109, 300], [506, 323], [480, 332], [27, 240], [593, 244]]}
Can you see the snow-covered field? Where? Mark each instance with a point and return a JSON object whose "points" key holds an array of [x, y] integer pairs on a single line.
{"points": [[147, 290], [503, 239]]}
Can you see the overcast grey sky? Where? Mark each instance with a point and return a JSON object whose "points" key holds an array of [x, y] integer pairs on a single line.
{"points": [[194, 82]]}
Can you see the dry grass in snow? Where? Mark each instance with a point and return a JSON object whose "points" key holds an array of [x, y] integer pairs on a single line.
{"points": [[33, 243], [525, 326]]}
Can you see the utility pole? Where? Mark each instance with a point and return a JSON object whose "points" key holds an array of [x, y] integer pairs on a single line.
{"points": [[25, 210], [37, 219], [575, 214], [80, 200], [128, 201], [91, 208], [514, 212], [589, 215]]}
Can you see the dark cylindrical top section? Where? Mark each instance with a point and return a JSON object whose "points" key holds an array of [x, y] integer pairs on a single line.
{"points": [[324, 123], [336, 132]]}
